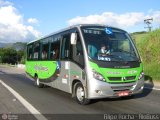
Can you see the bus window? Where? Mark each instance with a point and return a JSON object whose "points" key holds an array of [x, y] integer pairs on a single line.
{"points": [[77, 52], [36, 51], [29, 57], [65, 46], [55, 49], [44, 53]]}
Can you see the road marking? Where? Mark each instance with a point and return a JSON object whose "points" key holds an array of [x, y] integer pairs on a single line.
{"points": [[152, 88], [32, 109]]}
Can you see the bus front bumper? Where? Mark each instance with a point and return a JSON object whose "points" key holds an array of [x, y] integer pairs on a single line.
{"points": [[102, 89]]}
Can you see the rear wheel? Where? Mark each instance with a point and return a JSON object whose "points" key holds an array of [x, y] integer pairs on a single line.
{"points": [[37, 83], [80, 94]]}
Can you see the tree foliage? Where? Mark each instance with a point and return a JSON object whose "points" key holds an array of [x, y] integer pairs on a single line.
{"points": [[8, 55], [13, 54]]}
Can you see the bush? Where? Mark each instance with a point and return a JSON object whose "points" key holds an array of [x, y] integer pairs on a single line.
{"points": [[148, 46], [10, 55]]}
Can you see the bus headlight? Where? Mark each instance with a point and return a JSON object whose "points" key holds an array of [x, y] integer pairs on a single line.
{"points": [[141, 75], [98, 76]]}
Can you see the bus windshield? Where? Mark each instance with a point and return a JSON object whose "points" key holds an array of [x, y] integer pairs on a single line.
{"points": [[109, 44]]}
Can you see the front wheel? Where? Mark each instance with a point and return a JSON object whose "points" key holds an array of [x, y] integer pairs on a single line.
{"points": [[80, 94], [37, 83]]}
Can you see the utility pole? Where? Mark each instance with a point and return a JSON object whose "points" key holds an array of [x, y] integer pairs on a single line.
{"points": [[148, 22]]}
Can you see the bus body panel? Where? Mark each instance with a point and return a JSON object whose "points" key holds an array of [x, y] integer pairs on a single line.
{"points": [[62, 80], [121, 75], [108, 88], [44, 69], [111, 90]]}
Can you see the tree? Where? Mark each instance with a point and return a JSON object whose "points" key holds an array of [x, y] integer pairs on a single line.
{"points": [[13, 53], [8, 55]]}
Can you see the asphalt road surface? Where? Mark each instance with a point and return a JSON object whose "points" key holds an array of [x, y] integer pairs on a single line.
{"points": [[52, 101]]}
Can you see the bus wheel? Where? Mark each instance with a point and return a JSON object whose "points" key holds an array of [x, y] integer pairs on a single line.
{"points": [[80, 94], [37, 83]]}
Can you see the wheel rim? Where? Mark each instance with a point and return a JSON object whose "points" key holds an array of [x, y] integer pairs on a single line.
{"points": [[80, 93]]}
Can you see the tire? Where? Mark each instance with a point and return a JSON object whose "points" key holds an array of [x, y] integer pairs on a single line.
{"points": [[37, 83], [80, 94]]}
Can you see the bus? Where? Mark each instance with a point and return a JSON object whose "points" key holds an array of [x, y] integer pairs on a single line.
{"points": [[89, 61]]}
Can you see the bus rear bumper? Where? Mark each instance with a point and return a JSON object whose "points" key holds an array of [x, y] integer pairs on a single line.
{"points": [[106, 90]]}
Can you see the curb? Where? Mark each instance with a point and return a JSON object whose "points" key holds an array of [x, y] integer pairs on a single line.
{"points": [[149, 84]]}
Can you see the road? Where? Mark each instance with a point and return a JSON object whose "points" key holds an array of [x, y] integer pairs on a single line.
{"points": [[52, 101]]}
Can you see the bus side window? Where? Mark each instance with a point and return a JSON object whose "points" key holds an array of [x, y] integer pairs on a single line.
{"points": [[44, 53], [54, 50], [65, 46], [29, 52], [77, 52], [36, 51]]}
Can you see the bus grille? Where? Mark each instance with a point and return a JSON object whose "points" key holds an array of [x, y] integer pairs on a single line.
{"points": [[115, 78], [131, 78], [119, 88], [122, 78], [122, 88]]}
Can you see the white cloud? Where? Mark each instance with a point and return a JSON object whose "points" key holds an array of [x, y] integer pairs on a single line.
{"points": [[125, 20], [32, 20], [4, 3], [12, 27], [9, 16], [156, 16]]}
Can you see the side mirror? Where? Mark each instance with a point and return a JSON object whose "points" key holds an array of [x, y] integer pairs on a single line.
{"points": [[73, 38]]}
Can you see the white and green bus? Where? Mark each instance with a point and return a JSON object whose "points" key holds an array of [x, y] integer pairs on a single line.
{"points": [[89, 61]]}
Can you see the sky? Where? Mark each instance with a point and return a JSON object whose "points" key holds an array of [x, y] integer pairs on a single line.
{"points": [[26, 20]]}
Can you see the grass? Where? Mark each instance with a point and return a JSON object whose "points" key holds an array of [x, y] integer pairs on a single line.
{"points": [[152, 71], [148, 46]]}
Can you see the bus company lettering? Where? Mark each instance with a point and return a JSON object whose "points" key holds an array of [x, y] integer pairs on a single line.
{"points": [[114, 73], [40, 68], [132, 71]]}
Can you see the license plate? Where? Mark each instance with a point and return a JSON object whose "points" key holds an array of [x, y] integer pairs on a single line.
{"points": [[123, 93]]}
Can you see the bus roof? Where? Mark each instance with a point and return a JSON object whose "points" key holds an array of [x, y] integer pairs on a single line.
{"points": [[70, 27]]}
